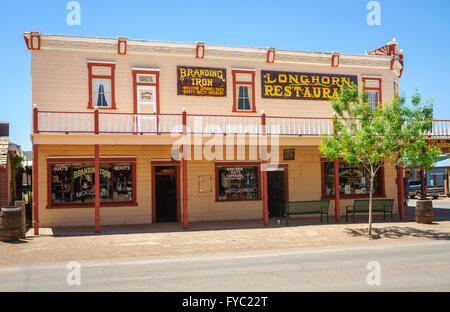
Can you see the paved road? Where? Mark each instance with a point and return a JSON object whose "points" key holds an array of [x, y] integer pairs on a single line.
{"points": [[418, 266]]}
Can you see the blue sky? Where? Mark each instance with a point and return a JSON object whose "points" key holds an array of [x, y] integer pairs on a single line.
{"points": [[421, 27]]}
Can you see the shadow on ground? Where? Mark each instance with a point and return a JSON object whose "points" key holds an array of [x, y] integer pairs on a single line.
{"points": [[395, 232], [198, 226], [16, 242], [440, 214]]}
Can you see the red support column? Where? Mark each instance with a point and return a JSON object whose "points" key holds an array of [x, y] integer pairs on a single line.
{"points": [[35, 119], [422, 184], [36, 189], [264, 171], [185, 183], [97, 188], [96, 121], [401, 192], [337, 195]]}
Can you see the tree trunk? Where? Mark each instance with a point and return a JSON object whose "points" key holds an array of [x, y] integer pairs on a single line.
{"points": [[423, 194], [370, 204]]}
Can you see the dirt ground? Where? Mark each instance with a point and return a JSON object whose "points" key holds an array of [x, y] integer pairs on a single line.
{"points": [[174, 241]]}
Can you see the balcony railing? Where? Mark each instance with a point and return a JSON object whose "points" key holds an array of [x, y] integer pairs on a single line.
{"points": [[97, 122]]}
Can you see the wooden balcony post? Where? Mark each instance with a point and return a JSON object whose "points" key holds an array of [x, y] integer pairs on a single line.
{"points": [[264, 171], [35, 119], [35, 183], [401, 192], [97, 187], [96, 121], [184, 165], [337, 195]]}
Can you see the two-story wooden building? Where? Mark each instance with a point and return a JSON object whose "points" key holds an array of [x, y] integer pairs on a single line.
{"points": [[112, 118]]}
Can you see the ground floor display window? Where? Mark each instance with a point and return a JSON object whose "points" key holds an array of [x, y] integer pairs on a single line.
{"points": [[354, 181], [73, 183], [237, 182]]}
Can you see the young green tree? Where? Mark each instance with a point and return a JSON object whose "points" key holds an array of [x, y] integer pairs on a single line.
{"points": [[394, 133]]}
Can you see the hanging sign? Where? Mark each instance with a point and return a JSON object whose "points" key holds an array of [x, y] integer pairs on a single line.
{"points": [[201, 81], [303, 86]]}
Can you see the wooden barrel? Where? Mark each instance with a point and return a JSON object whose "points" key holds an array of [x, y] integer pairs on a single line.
{"points": [[424, 211], [10, 223]]}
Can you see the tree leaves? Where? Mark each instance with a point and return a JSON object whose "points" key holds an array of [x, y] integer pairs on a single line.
{"points": [[396, 132]]}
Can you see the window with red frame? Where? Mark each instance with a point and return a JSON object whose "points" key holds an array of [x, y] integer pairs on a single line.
{"points": [[373, 88], [354, 180], [396, 88], [243, 91], [101, 85], [74, 183], [237, 182]]}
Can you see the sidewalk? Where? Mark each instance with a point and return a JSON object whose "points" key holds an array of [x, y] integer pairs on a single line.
{"points": [[169, 239], [80, 244], [193, 226], [439, 215]]}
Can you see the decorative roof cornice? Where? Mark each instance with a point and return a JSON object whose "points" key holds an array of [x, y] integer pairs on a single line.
{"points": [[109, 45]]}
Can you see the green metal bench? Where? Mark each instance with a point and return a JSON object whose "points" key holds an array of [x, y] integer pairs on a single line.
{"points": [[307, 207], [378, 205]]}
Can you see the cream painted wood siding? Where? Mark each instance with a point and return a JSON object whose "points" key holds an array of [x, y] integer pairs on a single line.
{"points": [[60, 83]]}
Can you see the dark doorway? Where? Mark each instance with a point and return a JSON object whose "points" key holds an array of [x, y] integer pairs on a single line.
{"points": [[276, 193], [166, 194]]}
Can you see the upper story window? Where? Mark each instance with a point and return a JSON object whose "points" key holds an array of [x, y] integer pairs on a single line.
{"points": [[243, 97], [101, 85], [243, 90], [396, 88], [373, 87]]}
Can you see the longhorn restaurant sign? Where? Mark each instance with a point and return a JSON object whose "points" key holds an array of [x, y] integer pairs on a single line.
{"points": [[303, 86]]}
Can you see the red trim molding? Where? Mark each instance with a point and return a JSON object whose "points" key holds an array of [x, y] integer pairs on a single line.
{"points": [[335, 58], [91, 159], [112, 77], [122, 45], [33, 40], [252, 84], [200, 50], [270, 55]]}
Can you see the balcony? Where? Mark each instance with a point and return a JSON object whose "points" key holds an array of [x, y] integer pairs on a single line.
{"points": [[107, 123]]}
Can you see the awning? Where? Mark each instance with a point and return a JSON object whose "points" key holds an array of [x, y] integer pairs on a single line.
{"points": [[442, 164]]}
